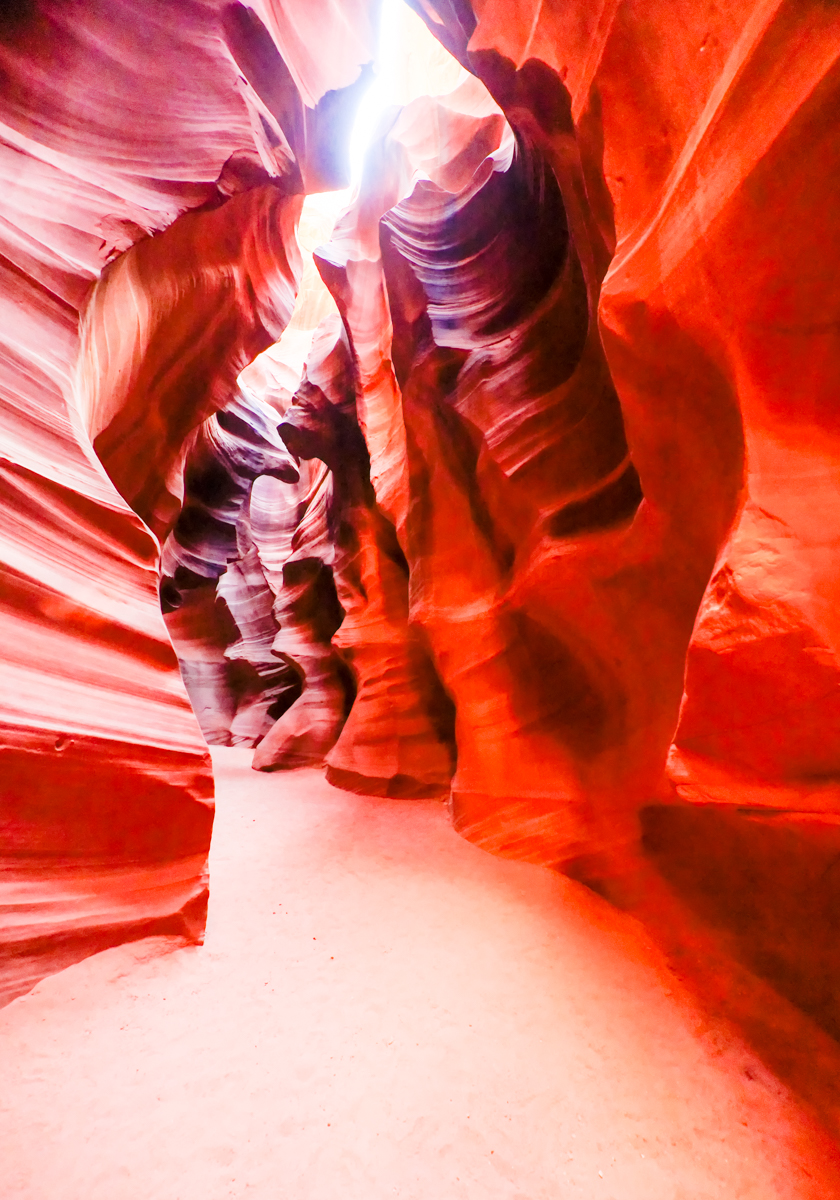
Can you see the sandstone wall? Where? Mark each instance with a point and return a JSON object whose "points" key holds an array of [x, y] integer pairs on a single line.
{"points": [[593, 358], [117, 121]]}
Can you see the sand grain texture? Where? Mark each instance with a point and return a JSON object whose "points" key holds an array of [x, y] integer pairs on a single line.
{"points": [[381, 1009]]}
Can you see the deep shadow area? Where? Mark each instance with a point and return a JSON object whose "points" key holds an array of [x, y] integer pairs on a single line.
{"points": [[770, 883]]}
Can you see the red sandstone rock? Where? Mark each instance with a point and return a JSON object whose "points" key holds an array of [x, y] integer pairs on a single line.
{"points": [[116, 120], [210, 541], [308, 615], [181, 296], [593, 375], [296, 553], [663, 137], [396, 741], [456, 576]]}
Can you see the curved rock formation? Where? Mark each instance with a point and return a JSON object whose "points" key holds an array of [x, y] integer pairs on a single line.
{"points": [[117, 120], [515, 442], [698, 147], [170, 325], [396, 739], [210, 540], [531, 450], [580, 445]]}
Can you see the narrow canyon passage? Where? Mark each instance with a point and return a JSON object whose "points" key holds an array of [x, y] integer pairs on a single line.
{"points": [[382, 1009], [420, 476]]}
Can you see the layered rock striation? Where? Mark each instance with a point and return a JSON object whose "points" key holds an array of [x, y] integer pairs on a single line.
{"points": [[148, 252], [551, 522], [397, 739]]}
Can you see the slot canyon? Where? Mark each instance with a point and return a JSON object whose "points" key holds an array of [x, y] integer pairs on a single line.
{"points": [[419, 600]]}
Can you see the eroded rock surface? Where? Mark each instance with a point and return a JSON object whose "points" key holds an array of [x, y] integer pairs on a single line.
{"points": [[129, 137], [397, 739], [568, 453]]}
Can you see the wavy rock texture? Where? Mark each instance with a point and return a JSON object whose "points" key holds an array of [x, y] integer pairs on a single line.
{"points": [[298, 562], [396, 740], [694, 148], [593, 356], [605, 558], [529, 449], [515, 441], [210, 541], [117, 120]]}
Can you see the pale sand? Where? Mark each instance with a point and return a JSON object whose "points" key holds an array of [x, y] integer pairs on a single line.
{"points": [[381, 1010]]}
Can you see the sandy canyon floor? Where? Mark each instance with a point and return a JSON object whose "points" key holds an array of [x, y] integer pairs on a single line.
{"points": [[382, 1010]]}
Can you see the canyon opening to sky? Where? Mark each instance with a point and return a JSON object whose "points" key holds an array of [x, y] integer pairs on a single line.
{"points": [[419, 593]]}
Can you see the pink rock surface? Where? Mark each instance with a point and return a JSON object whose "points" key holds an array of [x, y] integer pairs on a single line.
{"points": [[676, 141], [396, 740], [293, 545], [115, 122], [589, 296], [215, 597]]}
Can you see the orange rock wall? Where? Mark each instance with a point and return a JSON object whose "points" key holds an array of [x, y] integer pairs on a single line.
{"points": [[116, 121], [699, 150], [609, 453]]}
